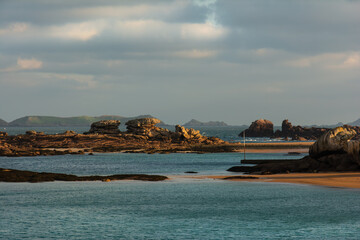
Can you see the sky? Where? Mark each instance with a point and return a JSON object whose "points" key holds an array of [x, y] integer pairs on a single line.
{"points": [[226, 60]]}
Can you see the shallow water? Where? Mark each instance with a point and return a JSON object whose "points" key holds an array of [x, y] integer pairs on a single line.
{"points": [[177, 210], [119, 163], [173, 209]]}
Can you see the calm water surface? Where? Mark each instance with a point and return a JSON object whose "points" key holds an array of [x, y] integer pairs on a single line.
{"points": [[173, 209]]}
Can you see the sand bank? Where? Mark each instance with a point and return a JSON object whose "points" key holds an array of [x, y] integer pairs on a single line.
{"points": [[342, 180]]}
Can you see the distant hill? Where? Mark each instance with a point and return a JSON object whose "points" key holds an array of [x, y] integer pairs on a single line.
{"points": [[3, 123], [355, 123], [339, 124], [196, 123], [50, 121]]}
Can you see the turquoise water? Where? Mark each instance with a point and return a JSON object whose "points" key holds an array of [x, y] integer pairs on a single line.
{"points": [[118, 163], [173, 209], [177, 210]]}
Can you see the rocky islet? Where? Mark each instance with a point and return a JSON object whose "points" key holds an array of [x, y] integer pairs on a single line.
{"points": [[142, 135]]}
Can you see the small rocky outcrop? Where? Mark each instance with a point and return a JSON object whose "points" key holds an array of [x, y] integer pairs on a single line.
{"points": [[105, 127], [259, 128], [69, 133]]}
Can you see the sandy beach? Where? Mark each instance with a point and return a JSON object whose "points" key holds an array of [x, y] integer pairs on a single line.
{"points": [[341, 180]]}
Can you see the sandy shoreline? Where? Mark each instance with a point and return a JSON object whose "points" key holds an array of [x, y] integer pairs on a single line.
{"points": [[341, 180]]}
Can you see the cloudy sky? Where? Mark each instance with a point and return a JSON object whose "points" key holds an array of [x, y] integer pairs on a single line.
{"points": [[229, 60]]}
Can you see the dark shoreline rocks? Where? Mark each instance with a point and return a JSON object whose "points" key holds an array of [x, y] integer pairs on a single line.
{"points": [[12, 175]]}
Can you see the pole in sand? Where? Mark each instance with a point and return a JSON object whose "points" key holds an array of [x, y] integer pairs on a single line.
{"points": [[244, 145]]}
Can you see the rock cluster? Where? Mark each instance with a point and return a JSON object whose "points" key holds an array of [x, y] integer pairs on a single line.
{"points": [[298, 132], [105, 127], [187, 134], [259, 128], [333, 151], [265, 128], [3, 134], [146, 127], [104, 136]]}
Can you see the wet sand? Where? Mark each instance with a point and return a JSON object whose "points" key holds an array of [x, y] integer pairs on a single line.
{"points": [[341, 180], [278, 147]]}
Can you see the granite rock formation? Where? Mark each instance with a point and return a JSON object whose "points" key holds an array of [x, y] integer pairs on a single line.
{"points": [[141, 136], [146, 127], [187, 134], [337, 141], [333, 151], [105, 127], [259, 128], [297, 132]]}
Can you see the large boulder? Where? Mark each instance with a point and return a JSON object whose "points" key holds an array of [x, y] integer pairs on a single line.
{"points": [[105, 127], [334, 141], [259, 128]]}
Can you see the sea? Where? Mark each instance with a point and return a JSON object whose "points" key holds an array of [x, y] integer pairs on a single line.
{"points": [[179, 208]]}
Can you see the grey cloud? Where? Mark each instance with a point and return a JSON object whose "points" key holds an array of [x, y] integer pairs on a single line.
{"points": [[272, 62]]}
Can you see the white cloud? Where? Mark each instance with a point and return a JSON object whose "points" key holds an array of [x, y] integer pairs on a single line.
{"points": [[28, 64], [79, 31], [196, 54], [203, 31], [342, 60], [352, 61], [154, 29], [142, 11], [143, 29]]}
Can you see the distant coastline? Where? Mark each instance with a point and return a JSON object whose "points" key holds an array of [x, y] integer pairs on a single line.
{"points": [[51, 121], [85, 121]]}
